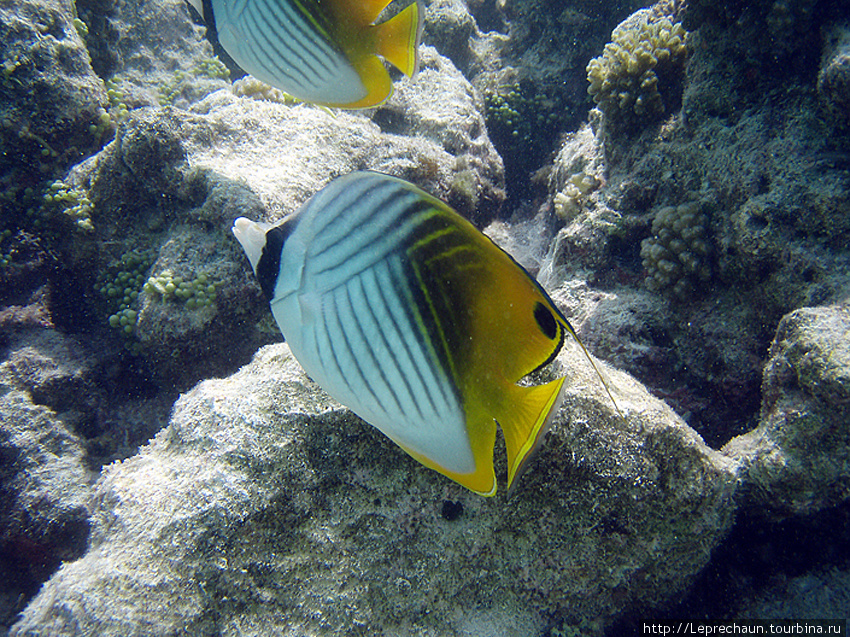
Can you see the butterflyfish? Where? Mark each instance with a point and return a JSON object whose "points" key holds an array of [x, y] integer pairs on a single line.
{"points": [[406, 313], [319, 51]]}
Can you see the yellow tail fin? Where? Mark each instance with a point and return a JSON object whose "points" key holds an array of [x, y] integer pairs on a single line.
{"points": [[525, 417], [398, 39]]}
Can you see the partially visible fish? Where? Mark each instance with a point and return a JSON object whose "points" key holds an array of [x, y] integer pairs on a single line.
{"points": [[319, 51], [403, 311]]}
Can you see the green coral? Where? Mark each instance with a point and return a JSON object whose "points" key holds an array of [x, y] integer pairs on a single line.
{"points": [[74, 203], [627, 80], [118, 109], [117, 112], [7, 253], [520, 120], [249, 86], [119, 286], [211, 68], [519, 114], [197, 293], [676, 256]]}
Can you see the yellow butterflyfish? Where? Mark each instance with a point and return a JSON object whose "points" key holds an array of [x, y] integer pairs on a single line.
{"points": [[406, 313], [319, 51]]}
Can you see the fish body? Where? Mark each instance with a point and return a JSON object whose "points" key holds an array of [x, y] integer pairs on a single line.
{"points": [[319, 51], [403, 311]]}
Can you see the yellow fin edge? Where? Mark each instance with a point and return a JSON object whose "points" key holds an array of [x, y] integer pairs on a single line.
{"points": [[481, 481], [525, 418], [398, 39]]}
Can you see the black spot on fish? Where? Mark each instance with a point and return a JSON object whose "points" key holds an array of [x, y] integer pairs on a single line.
{"points": [[451, 510], [545, 320]]}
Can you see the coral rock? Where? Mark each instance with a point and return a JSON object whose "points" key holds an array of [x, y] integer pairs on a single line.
{"points": [[267, 508], [798, 456]]}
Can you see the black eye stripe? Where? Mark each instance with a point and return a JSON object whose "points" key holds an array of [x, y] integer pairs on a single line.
{"points": [[268, 266], [545, 321]]}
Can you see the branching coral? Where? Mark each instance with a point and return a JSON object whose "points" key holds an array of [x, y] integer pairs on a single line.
{"points": [[628, 80], [676, 256], [520, 121], [569, 201]]}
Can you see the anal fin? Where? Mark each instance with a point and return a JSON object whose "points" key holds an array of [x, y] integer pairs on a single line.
{"points": [[525, 417]]}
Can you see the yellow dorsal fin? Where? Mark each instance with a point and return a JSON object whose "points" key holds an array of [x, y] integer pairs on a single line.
{"points": [[398, 39], [524, 417], [358, 12]]}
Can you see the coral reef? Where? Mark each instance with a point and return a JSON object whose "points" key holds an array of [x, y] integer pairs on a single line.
{"points": [[154, 241], [43, 515], [263, 507], [296, 500], [526, 58], [196, 293], [750, 145], [119, 285], [49, 97], [676, 256], [72, 202], [250, 86], [634, 80], [520, 118], [569, 201]]}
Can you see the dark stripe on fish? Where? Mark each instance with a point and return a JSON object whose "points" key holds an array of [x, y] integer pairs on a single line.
{"points": [[367, 339], [330, 350], [426, 324], [345, 328], [268, 267], [388, 233], [258, 23], [441, 247], [382, 325], [406, 323], [299, 29], [345, 215]]}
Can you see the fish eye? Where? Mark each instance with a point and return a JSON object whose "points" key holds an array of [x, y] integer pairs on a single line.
{"points": [[545, 320]]}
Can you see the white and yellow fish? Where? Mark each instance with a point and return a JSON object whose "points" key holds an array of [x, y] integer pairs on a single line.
{"points": [[319, 51], [403, 311]]}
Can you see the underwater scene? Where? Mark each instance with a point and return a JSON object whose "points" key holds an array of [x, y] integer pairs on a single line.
{"points": [[428, 318]]}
